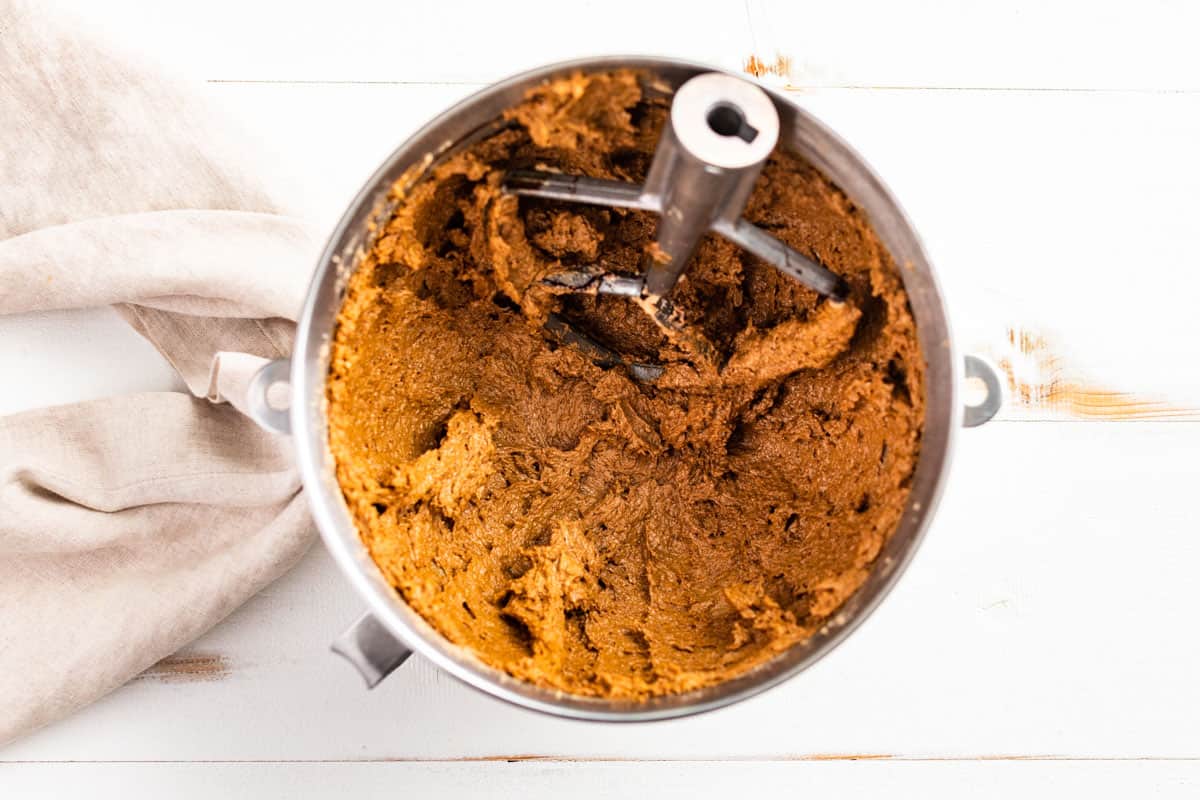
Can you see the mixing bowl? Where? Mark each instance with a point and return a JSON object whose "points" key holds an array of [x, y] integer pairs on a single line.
{"points": [[390, 631]]}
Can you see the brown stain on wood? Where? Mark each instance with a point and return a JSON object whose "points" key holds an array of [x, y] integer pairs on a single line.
{"points": [[1039, 379], [188, 668], [781, 66], [847, 757]]}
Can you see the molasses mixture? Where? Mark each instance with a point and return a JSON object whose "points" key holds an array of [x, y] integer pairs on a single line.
{"points": [[569, 524]]}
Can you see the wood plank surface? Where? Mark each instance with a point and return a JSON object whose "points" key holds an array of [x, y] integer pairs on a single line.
{"points": [[1039, 643], [1053, 44], [1041, 618], [536, 780]]}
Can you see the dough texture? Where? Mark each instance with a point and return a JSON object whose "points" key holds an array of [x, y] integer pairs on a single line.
{"points": [[574, 527]]}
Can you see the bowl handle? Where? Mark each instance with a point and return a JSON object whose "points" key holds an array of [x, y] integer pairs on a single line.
{"points": [[371, 648], [269, 417], [975, 367]]}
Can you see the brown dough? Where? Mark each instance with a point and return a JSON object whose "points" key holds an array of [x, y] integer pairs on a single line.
{"points": [[571, 526]]}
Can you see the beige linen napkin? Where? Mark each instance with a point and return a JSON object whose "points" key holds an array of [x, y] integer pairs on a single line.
{"points": [[130, 525]]}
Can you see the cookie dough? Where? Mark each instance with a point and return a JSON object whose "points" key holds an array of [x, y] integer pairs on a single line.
{"points": [[574, 527]]}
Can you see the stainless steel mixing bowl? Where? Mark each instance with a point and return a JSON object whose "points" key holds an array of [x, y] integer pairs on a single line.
{"points": [[390, 631]]}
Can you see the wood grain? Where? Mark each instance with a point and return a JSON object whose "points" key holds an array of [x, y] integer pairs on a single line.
{"points": [[975, 44], [1052, 574], [538, 780], [1024, 44], [188, 667], [1041, 380]]}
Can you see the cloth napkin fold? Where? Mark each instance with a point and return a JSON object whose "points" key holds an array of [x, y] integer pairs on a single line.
{"points": [[131, 525]]}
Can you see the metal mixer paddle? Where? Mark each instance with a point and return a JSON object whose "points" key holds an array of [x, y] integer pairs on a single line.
{"points": [[718, 135]]}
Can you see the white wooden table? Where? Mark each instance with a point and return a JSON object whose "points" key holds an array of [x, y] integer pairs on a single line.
{"points": [[1045, 637]]}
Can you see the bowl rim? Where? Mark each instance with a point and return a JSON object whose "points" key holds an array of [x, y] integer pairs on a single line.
{"points": [[309, 369]]}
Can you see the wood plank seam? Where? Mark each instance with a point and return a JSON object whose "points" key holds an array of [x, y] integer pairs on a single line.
{"points": [[514, 759]]}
